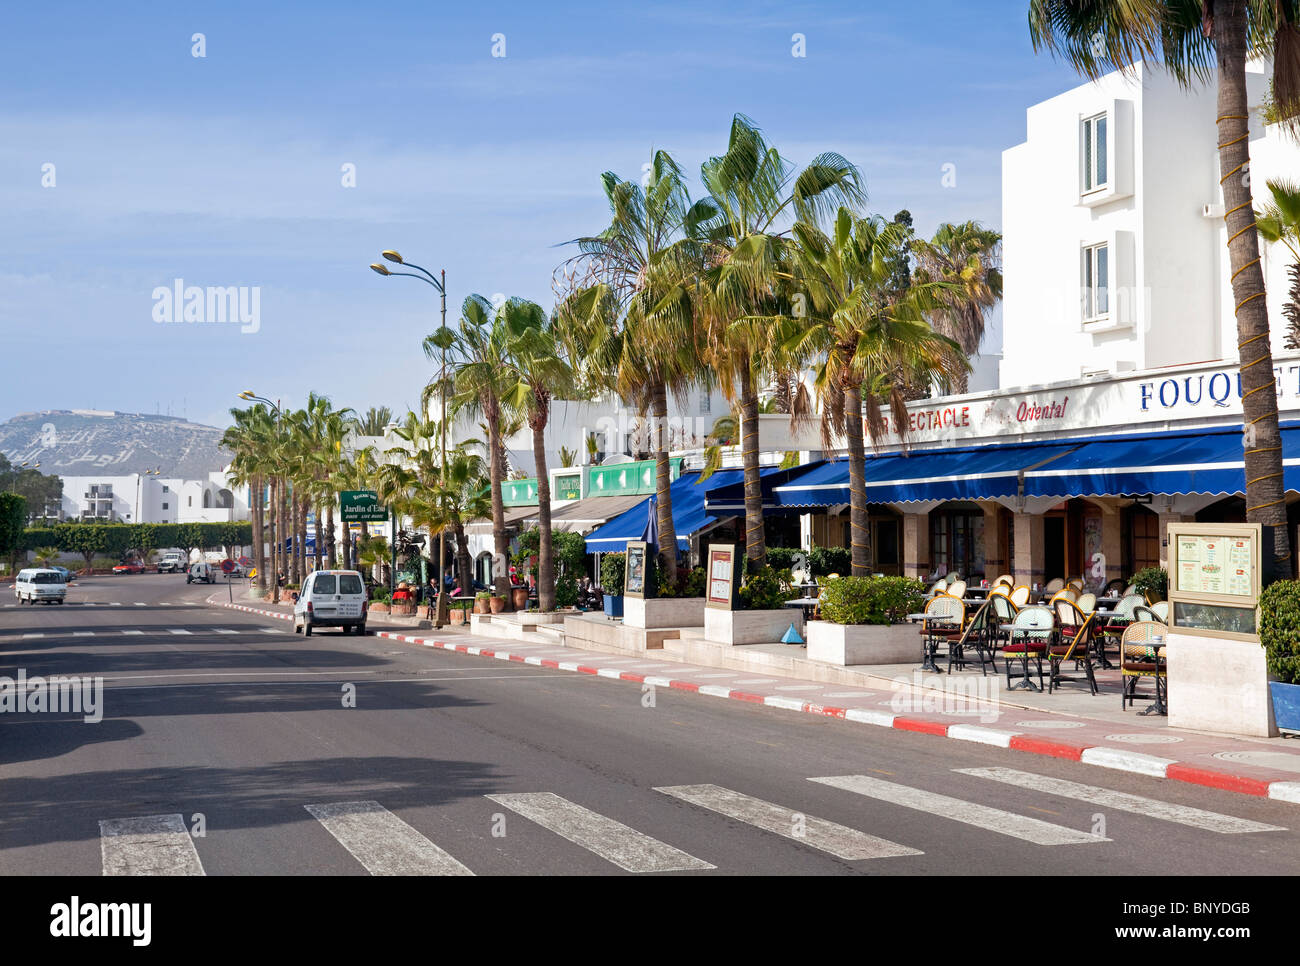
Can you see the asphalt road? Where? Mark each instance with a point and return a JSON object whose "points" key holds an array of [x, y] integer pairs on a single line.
{"points": [[230, 725]]}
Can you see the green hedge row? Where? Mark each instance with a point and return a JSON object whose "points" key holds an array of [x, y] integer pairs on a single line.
{"points": [[870, 600], [116, 539]]}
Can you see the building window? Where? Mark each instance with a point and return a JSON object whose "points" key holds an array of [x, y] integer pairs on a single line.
{"points": [[165, 490], [165, 506], [1095, 174], [191, 501], [1096, 282], [706, 403]]}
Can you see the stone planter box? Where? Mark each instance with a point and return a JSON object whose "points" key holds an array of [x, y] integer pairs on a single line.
{"points": [[664, 612], [846, 644], [750, 626], [1218, 685]]}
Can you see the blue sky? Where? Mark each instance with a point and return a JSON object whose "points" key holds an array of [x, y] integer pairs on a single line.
{"points": [[226, 170]]}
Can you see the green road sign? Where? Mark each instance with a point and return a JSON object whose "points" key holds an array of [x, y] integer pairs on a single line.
{"points": [[362, 506]]}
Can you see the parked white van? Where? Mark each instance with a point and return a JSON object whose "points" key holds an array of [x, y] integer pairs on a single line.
{"points": [[331, 598], [201, 572], [40, 583]]}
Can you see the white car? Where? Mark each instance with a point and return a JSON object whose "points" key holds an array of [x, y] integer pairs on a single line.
{"points": [[331, 598], [201, 572], [40, 583]]}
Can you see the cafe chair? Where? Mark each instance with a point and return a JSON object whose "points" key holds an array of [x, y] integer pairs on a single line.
{"points": [[945, 616], [1139, 657], [952, 577], [1030, 632], [1113, 588], [1054, 585], [977, 636], [957, 588], [1161, 609], [940, 586], [1076, 583], [1074, 644], [1005, 579], [1020, 595], [1001, 611], [1087, 603], [1152, 612]]}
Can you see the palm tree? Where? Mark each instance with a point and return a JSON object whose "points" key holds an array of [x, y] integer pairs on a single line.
{"points": [[1280, 222], [967, 257], [869, 337], [458, 497], [374, 422], [538, 368], [479, 385], [754, 191], [624, 293], [1192, 39], [356, 473], [247, 440]]}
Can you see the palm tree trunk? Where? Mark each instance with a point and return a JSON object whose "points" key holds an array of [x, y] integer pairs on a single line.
{"points": [[858, 527], [303, 506], [347, 547], [277, 538], [320, 535], [259, 535], [663, 491], [496, 470], [1262, 442], [755, 543], [464, 567], [332, 558], [545, 551]]}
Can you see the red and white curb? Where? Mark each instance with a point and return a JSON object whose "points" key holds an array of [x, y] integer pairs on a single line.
{"points": [[1120, 759]]}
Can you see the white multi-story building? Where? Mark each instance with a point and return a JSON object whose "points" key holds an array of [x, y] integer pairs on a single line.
{"points": [[147, 498], [1114, 251]]}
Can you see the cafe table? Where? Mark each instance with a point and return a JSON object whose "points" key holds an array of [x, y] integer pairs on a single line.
{"points": [[809, 605], [932, 645]]}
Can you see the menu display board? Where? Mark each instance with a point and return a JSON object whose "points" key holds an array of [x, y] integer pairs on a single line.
{"points": [[638, 575], [1215, 574], [720, 577], [1216, 564]]}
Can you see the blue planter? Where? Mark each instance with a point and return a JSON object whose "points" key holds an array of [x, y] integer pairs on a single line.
{"points": [[1286, 705], [613, 605]]}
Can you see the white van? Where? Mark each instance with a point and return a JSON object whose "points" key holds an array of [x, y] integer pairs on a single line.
{"points": [[201, 572], [172, 562], [331, 598], [40, 583]]}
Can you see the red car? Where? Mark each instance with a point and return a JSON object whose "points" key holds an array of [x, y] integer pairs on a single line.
{"points": [[130, 567]]}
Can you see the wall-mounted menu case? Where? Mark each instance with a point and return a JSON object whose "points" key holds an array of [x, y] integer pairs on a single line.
{"points": [[1215, 576]]}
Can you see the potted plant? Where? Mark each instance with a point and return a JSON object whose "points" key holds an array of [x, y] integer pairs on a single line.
{"points": [[459, 612], [481, 602], [520, 595], [860, 621], [496, 604], [1279, 632], [611, 583], [762, 616], [1152, 582]]}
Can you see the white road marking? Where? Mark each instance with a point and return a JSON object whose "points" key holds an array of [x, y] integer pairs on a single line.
{"points": [[270, 630], [140, 603], [148, 845], [1138, 804], [838, 840], [382, 842], [613, 841], [178, 630], [83, 633], [133, 633], [222, 630], [969, 813], [33, 635]]}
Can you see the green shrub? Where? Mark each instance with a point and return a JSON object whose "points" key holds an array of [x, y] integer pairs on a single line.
{"points": [[764, 590], [782, 558], [870, 600], [1152, 581], [1279, 629], [566, 591], [611, 573], [690, 583], [483, 595], [830, 560]]}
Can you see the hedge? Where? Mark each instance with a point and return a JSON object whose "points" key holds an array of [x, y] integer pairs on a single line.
{"points": [[1279, 629], [870, 600]]}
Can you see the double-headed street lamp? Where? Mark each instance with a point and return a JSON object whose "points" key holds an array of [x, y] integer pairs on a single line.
{"points": [[248, 396], [439, 282]]}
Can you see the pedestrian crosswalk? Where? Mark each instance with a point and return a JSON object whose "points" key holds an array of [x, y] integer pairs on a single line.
{"points": [[136, 631], [384, 843]]}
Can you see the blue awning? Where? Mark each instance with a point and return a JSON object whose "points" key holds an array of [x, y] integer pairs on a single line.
{"points": [[963, 473], [689, 513], [1207, 462]]}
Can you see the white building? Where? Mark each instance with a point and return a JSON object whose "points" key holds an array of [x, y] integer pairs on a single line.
{"points": [[1114, 251], [146, 498]]}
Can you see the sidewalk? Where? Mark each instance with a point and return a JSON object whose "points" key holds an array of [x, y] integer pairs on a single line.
{"points": [[1104, 736]]}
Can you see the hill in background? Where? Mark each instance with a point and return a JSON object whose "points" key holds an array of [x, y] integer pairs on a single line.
{"points": [[83, 442]]}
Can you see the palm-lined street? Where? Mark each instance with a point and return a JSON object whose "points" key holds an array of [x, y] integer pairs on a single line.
{"points": [[227, 724]]}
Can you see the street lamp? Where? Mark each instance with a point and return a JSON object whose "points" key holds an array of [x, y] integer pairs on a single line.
{"points": [[439, 282], [249, 396]]}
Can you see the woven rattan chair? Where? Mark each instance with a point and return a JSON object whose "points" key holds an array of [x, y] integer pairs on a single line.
{"points": [[1139, 657], [1030, 633]]}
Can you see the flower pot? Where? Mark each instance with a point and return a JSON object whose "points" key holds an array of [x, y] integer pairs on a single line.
{"points": [[1286, 705], [520, 598], [498, 604], [379, 608], [480, 605], [613, 605], [457, 615], [404, 610]]}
